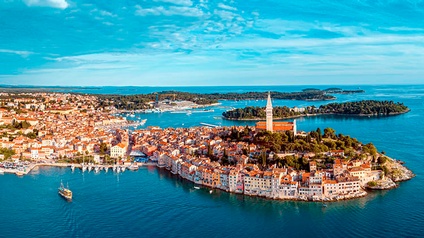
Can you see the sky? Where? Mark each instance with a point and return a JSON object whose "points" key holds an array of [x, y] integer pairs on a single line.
{"points": [[211, 42]]}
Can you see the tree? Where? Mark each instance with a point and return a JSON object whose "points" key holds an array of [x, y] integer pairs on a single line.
{"points": [[103, 148], [369, 148], [319, 134], [329, 133], [263, 157]]}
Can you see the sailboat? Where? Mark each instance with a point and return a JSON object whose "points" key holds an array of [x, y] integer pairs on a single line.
{"points": [[65, 192]]}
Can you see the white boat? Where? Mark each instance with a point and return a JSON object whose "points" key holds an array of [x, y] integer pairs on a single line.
{"points": [[97, 169], [123, 169], [72, 167], [106, 169], [210, 191], [142, 122], [90, 168], [83, 167], [196, 187], [133, 167]]}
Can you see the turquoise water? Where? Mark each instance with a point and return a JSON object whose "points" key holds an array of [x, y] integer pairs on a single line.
{"points": [[152, 203]]}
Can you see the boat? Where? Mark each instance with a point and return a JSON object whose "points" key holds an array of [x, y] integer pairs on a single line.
{"points": [[324, 205], [142, 122], [72, 167], [182, 111], [122, 169], [196, 187], [210, 191], [65, 192], [96, 169], [106, 169], [19, 173], [133, 167]]}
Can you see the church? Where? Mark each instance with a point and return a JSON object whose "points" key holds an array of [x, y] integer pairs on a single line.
{"points": [[272, 126]]}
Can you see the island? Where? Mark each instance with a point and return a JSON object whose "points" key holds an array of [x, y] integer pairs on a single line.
{"points": [[282, 162], [360, 108]]}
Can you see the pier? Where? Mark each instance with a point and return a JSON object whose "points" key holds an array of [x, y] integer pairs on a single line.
{"points": [[209, 125]]}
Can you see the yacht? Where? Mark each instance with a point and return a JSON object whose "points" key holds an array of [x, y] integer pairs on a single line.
{"points": [[65, 192]]}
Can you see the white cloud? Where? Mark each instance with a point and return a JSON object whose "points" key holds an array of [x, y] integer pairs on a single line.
{"points": [[177, 2], [16, 52], [226, 7], [62, 4], [170, 11]]}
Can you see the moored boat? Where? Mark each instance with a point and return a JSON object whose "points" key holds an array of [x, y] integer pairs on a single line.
{"points": [[19, 173], [65, 192]]}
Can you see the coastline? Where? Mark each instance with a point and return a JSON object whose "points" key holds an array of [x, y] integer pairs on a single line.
{"points": [[386, 183]]}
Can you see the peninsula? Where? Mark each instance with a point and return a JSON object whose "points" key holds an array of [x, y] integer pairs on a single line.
{"points": [[274, 160]]}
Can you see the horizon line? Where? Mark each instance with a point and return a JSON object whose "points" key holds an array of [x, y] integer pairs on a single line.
{"points": [[248, 85]]}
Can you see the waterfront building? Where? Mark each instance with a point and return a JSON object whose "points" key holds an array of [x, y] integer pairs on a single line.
{"points": [[118, 150]]}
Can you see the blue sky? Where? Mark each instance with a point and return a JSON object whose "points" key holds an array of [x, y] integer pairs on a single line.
{"points": [[205, 42]]}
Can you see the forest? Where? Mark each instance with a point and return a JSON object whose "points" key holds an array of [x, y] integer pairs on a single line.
{"points": [[360, 108]]}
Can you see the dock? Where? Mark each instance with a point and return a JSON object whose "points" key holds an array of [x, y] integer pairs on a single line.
{"points": [[208, 125]]}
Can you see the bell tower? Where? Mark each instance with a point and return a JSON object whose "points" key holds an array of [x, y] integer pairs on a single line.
{"points": [[268, 110]]}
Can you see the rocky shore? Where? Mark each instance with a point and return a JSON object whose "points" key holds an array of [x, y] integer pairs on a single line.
{"points": [[395, 172]]}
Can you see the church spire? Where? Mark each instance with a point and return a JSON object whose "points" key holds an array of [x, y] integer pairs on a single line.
{"points": [[268, 110], [269, 103]]}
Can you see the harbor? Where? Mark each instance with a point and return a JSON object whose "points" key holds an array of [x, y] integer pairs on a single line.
{"points": [[21, 169]]}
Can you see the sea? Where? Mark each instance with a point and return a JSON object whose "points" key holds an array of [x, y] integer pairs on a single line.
{"points": [[151, 202]]}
